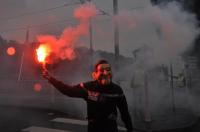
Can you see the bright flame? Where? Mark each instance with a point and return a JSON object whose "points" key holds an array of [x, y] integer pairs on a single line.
{"points": [[42, 52]]}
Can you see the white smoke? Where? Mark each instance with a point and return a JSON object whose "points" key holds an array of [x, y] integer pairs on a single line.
{"points": [[155, 37], [166, 32]]}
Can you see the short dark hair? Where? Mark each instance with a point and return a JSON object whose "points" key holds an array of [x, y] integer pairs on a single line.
{"points": [[102, 61]]}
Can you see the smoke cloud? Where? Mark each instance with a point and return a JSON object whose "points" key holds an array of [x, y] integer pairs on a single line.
{"points": [[63, 46], [165, 32], [156, 36]]}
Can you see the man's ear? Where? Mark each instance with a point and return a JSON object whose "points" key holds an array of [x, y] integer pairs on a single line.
{"points": [[94, 75]]}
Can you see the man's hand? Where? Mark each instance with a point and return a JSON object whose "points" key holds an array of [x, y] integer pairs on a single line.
{"points": [[45, 74]]}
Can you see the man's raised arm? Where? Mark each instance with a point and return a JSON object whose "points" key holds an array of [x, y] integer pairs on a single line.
{"points": [[71, 91]]}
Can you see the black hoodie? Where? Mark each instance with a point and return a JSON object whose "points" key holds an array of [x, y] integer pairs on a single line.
{"points": [[102, 103]]}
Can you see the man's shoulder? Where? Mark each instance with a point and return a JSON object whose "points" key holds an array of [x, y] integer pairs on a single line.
{"points": [[117, 87]]}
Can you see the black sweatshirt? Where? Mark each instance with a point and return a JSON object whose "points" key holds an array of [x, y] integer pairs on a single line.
{"points": [[102, 103]]}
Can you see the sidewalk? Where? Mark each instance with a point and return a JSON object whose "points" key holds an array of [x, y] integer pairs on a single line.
{"points": [[168, 121]]}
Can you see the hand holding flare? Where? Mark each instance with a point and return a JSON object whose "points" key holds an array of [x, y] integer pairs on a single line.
{"points": [[42, 52]]}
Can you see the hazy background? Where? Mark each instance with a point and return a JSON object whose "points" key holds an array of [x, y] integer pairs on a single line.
{"points": [[153, 42]]}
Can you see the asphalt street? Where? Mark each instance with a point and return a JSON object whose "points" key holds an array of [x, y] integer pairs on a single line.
{"points": [[29, 119]]}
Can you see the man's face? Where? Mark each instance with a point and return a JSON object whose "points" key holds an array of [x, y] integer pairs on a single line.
{"points": [[103, 74]]}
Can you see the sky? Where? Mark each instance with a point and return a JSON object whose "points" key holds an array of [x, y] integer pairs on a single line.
{"points": [[16, 16], [140, 24]]}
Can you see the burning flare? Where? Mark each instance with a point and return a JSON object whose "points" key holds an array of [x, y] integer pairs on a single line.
{"points": [[42, 53]]}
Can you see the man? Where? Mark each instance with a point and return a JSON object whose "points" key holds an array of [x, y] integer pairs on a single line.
{"points": [[103, 97]]}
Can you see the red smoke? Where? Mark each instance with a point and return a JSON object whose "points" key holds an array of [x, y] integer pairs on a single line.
{"points": [[85, 12], [63, 46]]}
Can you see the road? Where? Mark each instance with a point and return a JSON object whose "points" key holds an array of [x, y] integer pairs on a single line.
{"points": [[29, 119]]}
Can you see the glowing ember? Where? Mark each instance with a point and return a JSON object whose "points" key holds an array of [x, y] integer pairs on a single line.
{"points": [[42, 52], [37, 87], [11, 51]]}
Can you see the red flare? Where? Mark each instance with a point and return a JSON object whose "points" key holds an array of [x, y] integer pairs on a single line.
{"points": [[42, 52]]}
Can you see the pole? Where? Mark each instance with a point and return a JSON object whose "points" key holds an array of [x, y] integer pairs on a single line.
{"points": [[90, 37], [22, 57], [147, 115], [116, 30], [27, 36], [21, 65], [172, 88], [186, 84], [91, 41]]}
